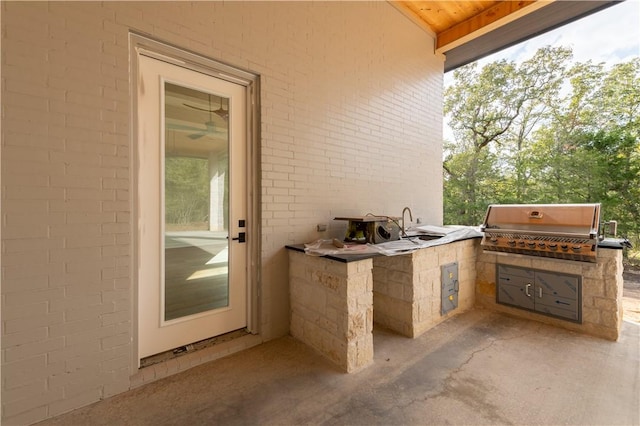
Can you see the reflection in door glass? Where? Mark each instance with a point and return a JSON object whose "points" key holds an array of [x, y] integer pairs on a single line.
{"points": [[195, 202]]}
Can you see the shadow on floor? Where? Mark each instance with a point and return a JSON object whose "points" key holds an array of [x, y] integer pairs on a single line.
{"points": [[479, 367]]}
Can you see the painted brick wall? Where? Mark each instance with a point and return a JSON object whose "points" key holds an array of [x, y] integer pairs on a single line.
{"points": [[351, 123]]}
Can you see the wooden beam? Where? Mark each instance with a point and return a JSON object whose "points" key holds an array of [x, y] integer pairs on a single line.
{"points": [[486, 21]]}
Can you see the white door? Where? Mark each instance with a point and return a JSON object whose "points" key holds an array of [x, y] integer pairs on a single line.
{"points": [[192, 206]]}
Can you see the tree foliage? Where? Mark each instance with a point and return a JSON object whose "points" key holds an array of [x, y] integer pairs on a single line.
{"points": [[544, 131], [186, 190]]}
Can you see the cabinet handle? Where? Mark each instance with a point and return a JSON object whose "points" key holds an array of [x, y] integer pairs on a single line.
{"points": [[526, 290], [540, 292]]}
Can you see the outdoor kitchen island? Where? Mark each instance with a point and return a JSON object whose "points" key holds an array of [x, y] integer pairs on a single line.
{"points": [[552, 263], [600, 292], [335, 299]]}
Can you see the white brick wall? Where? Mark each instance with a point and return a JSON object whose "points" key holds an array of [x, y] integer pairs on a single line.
{"points": [[351, 123]]}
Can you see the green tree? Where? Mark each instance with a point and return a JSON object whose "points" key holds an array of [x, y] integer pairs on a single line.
{"points": [[495, 109], [480, 105], [544, 132], [589, 151], [615, 171], [619, 97], [186, 190], [457, 183]]}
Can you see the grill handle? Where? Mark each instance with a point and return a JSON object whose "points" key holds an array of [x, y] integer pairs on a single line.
{"points": [[526, 290], [592, 235]]}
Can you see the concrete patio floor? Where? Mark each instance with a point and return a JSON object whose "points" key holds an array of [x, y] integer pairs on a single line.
{"points": [[480, 367]]}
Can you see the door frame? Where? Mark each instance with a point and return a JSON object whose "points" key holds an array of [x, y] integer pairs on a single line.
{"points": [[143, 45]]}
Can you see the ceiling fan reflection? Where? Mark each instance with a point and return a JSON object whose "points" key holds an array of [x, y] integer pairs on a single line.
{"points": [[210, 125], [221, 112], [197, 132]]}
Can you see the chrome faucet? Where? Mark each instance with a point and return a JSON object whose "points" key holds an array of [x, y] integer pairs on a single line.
{"points": [[404, 232]]}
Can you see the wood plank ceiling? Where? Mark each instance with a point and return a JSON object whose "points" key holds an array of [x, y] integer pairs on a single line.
{"points": [[455, 22]]}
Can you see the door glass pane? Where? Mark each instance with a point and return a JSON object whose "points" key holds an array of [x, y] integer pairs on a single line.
{"points": [[195, 201]]}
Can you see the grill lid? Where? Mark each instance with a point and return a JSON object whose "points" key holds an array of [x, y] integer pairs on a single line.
{"points": [[564, 231], [570, 220]]}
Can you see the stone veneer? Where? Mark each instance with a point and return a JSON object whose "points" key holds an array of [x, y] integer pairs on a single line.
{"points": [[332, 308], [602, 285], [407, 288], [335, 303]]}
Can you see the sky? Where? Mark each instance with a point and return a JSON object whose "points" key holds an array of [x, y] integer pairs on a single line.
{"points": [[610, 36]]}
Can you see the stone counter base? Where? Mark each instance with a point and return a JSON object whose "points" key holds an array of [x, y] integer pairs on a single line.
{"points": [[334, 304], [602, 285], [407, 288], [332, 308]]}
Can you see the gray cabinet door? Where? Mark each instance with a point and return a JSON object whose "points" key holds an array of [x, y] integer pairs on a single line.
{"points": [[515, 290], [550, 293], [564, 308], [516, 271], [560, 285], [450, 287], [557, 294]]}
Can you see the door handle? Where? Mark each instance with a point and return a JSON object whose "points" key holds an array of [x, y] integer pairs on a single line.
{"points": [[526, 290], [540, 292], [241, 238]]}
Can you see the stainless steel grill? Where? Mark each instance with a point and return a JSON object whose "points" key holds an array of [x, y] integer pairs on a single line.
{"points": [[562, 231]]}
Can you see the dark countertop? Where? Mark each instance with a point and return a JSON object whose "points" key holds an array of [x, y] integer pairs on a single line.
{"points": [[352, 257], [607, 243], [344, 258]]}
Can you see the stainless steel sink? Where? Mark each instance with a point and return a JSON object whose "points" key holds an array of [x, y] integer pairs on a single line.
{"points": [[420, 237]]}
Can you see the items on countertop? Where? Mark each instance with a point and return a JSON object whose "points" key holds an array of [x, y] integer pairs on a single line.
{"points": [[440, 235]]}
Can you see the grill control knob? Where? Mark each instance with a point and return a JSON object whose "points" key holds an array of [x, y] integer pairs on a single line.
{"points": [[531, 244], [564, 247], [512, 243], [521, 243], [494, 240], [541, 245], [576, 248], [553, 246]]}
